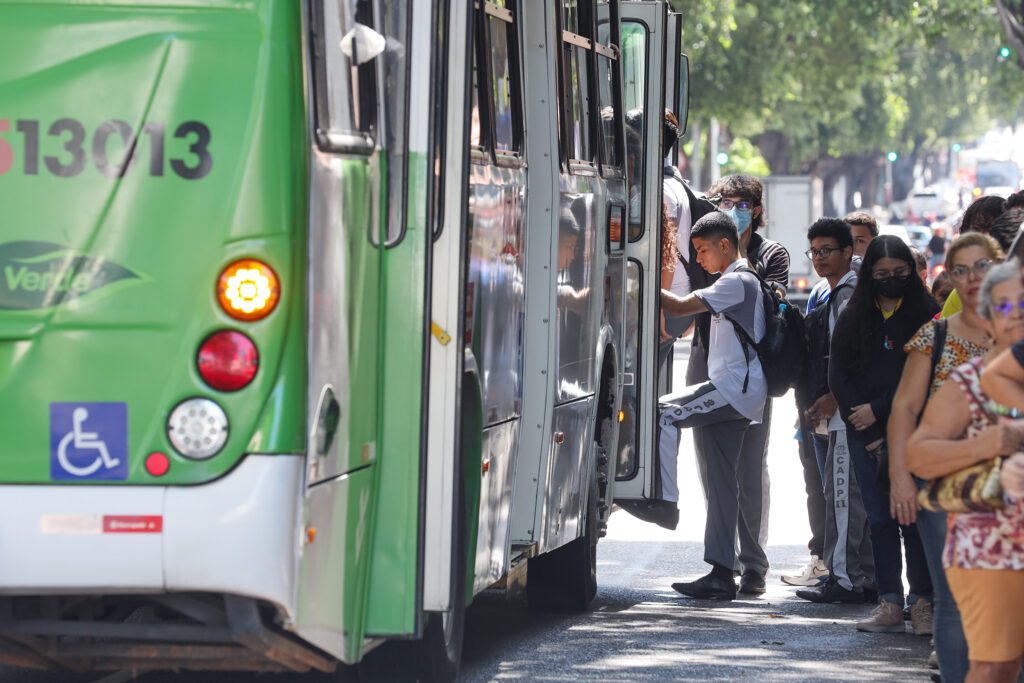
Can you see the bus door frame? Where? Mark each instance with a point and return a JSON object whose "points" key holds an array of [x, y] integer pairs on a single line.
{"points": [[645, 252]]}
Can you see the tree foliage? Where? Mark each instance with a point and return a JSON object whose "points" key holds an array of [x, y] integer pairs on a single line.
{"points": [[816, 82]]}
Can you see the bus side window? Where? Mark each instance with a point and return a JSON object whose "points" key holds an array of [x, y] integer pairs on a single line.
{"points": [[497, 106], [608, 99], [577, 48], [345, 48], [634, 89]]}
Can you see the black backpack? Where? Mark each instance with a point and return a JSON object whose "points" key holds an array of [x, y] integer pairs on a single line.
{"points": [[783, 349]]}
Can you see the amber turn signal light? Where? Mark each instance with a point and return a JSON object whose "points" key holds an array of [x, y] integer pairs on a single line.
{"points": [[248, 290]]}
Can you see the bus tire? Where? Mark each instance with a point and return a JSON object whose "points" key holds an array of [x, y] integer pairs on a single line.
{"points": [[565, 579]]}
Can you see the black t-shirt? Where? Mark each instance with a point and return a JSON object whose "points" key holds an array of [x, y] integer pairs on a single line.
{"points": [[937, 245]]}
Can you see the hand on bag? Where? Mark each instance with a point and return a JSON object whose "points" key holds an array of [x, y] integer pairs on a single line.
{"points": [[822, 409], [903, 498], [862, 417], [1012, 475], [1003, 438]]}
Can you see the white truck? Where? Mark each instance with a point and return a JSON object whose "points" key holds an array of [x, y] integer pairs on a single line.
{"points": [[791, 204]]}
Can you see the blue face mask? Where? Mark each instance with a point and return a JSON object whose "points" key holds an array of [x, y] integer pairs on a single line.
{"points": [[741, 217]]}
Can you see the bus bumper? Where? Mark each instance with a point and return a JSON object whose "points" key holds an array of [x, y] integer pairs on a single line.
{"points": [[238, 535]]}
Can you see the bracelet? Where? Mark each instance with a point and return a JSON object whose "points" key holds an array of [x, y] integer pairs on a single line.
{"points": [[1004, 411]]}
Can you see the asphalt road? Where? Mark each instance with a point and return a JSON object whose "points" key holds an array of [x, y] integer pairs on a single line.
{"points": [[640, 630]]}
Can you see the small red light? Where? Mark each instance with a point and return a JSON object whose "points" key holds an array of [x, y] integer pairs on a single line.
{"points": [[157, 464], [227, 360]]}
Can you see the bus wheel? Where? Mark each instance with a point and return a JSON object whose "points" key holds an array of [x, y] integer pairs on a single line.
{"points": [[565, 580]]}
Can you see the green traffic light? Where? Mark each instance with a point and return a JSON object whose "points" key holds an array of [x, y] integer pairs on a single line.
{"points": [[956, 147], [892, 156], [722, 158], [1005, 52]]}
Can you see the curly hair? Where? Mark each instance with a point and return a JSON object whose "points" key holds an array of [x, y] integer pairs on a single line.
{"points": [[744, 186]]}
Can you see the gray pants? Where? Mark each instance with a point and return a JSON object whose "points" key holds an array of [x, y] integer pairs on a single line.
{"points": [[719, 437], [848, 552]]}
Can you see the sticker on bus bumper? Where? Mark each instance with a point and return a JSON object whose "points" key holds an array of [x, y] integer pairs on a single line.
{"points": [[88, 441]]}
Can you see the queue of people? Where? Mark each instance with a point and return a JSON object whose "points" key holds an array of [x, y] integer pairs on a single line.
{"points": [[901, 393]]}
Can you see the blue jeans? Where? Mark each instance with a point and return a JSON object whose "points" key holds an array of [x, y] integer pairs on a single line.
{"points": [[950, 643], [885, 533]]}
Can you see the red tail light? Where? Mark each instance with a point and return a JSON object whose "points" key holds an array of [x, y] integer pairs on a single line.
{"points": [[227, 360]]}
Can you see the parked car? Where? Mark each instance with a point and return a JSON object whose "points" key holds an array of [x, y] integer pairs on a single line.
{"points": [[898, 230], [920, 235]]}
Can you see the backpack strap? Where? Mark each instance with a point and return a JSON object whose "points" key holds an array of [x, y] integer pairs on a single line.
{"points": [[746, 343], [938, 346]]}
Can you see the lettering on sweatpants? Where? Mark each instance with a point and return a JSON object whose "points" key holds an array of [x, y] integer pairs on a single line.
{"points": [[840, 504]]}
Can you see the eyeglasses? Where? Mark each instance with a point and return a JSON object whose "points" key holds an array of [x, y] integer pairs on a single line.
{"points": [[1006, 308], [882, 274], [979, 269], [822, 253], [742, 205]]}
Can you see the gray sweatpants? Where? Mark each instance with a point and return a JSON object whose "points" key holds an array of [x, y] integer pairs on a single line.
{"points": [[848, 552], [721, 433]]}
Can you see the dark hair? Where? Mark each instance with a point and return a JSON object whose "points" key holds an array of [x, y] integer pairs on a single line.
{"points": [[917, 304], [980, 214], [941, 280], [864, 219], [831, 227], [744, 186], [1005, 227], [670, 132], [1014, 200], [716, 225]]}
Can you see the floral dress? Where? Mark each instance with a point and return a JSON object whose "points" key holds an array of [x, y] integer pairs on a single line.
{"points": [[983, 540], [955, 352]]}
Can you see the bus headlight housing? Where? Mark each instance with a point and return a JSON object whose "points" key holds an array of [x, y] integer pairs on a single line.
{"points": [[197, 428]]}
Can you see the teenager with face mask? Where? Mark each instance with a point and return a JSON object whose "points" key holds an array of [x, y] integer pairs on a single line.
{"points": [[888, 305]]}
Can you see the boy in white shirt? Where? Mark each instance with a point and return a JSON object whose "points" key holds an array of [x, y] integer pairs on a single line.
{"points": [[732, 398]]}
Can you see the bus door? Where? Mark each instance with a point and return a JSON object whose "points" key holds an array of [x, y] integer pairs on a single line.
{"points": [[652, 80]]}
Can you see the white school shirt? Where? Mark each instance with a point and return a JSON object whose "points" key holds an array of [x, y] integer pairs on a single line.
{"points": [[727, 365]]}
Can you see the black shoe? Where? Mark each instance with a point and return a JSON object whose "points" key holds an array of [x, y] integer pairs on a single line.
{"points": [[752, 583], [870, 596], [708, 587], [831, 592]]}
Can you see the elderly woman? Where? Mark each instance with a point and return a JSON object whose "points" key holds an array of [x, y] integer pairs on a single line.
{"points": [[984, 553], [968, 259]]}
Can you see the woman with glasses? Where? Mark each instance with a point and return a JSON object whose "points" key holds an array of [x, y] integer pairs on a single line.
{"points": [[937, 349], [888, 305], [984, 551]]}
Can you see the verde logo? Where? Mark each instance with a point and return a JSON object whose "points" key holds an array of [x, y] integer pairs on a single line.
{"points": [[44, 274]]}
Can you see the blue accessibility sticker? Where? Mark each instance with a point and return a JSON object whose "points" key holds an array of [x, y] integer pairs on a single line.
{"points": [[88, 441]]}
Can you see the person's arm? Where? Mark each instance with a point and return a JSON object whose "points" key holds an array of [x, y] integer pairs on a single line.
{"points": [[936, 448], [685, 305], [906, 406], [1003, 378], [840, 376], [776, 267]]}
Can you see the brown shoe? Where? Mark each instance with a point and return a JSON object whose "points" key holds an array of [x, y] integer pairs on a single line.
{"points": [[886, 618], [921, 617]]}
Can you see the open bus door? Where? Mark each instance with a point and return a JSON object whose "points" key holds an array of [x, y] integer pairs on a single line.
{"points": [[655, 77]]}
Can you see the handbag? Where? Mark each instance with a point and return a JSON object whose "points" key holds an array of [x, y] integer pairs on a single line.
{"points": [[973, 489]]}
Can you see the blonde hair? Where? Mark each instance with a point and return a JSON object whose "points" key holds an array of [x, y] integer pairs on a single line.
{"points": [[974, 239]]}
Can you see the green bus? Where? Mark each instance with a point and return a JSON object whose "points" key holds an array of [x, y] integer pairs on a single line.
{"points": [[317, 319]]}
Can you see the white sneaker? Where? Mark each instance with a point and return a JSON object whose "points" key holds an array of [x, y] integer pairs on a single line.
{"points": [[814, 573]]}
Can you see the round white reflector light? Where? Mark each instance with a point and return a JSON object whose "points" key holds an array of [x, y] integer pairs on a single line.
{"points": [[198, 428]]}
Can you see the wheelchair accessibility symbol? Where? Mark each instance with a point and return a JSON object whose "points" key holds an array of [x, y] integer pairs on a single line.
{"points": [[88, 441]]}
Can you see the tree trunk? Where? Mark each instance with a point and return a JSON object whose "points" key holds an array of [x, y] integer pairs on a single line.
{"points": [[774, 147]]}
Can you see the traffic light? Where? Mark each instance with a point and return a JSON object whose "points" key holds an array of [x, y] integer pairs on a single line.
{"points": [[722, 158], [1004, 53], [956, 147], [892, 157]]}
